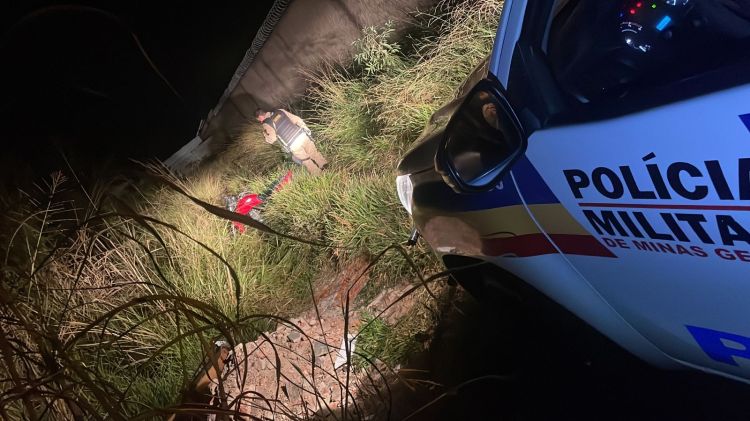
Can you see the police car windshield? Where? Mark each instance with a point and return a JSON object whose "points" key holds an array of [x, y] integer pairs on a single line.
{"points": [[604, 49]]}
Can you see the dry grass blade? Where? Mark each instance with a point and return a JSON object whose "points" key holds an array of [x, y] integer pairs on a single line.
{"points": [[455, 390]]}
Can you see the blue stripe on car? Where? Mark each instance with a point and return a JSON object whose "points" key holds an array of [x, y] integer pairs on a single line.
{"points": [[746, 119], [535, 190]]}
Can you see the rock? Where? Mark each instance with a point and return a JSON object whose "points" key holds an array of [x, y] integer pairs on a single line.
{"points": [[324, 391], [293, 391], [320, 349], [294, 337]]}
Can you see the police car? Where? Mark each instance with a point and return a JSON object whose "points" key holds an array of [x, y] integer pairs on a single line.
{"points": [[602, 155]]}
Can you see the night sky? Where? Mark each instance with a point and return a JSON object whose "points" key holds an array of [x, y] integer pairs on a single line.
{"points": [[75, 80]]}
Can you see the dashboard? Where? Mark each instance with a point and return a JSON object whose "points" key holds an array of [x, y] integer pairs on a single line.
{"points": [[645, 25]]}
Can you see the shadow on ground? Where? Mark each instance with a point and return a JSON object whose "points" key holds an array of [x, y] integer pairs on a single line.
{"points": [[549, 365]]}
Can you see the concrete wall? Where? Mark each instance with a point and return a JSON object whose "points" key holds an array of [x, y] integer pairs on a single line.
{"points": [[309, 32], [189, 156]]}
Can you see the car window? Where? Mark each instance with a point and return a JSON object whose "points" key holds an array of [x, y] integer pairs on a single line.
{"points": [[603, 49]]}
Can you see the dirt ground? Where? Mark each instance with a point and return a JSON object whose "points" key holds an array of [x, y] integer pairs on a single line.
{"points": [[302, 371]]}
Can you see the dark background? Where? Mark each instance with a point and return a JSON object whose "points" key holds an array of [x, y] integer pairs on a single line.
{"points": [[74, 80], [538, 361]]}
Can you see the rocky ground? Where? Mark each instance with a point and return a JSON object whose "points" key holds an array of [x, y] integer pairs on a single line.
{"points": [[301, 371]]}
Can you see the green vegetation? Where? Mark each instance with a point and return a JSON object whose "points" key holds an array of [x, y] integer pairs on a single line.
{"points": [[115, 304], [376, 52], [379, 341]]}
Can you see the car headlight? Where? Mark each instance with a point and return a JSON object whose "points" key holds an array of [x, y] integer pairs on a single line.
{"points": [[405, 188]]}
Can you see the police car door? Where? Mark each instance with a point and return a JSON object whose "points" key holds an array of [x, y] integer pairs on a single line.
{"points": [[651, 155]]}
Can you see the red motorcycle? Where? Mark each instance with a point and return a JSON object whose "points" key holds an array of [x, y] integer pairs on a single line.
{"points": [[252, 204]]}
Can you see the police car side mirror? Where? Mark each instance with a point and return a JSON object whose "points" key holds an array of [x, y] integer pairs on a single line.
{"points": [[481, 141]]}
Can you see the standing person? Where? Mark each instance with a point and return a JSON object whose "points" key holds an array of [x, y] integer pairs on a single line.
{"points": [[293, 136]]}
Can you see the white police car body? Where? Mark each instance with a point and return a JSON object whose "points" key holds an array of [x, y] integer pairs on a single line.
{"points": [[605, 160]]}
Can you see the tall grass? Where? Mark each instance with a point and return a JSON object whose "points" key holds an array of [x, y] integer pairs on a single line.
{"points": [[406, 99], [108, 305], [102, 315], [65, 264], [367, 119]]}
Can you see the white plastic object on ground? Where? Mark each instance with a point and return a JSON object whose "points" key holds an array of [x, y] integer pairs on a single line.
{"points": [[341, 354]]}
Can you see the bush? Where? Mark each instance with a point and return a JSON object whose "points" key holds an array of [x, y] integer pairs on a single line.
{"points": [[376, 53]]}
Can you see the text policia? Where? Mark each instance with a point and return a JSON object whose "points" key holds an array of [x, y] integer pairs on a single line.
{"points": [[681, 203]]}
